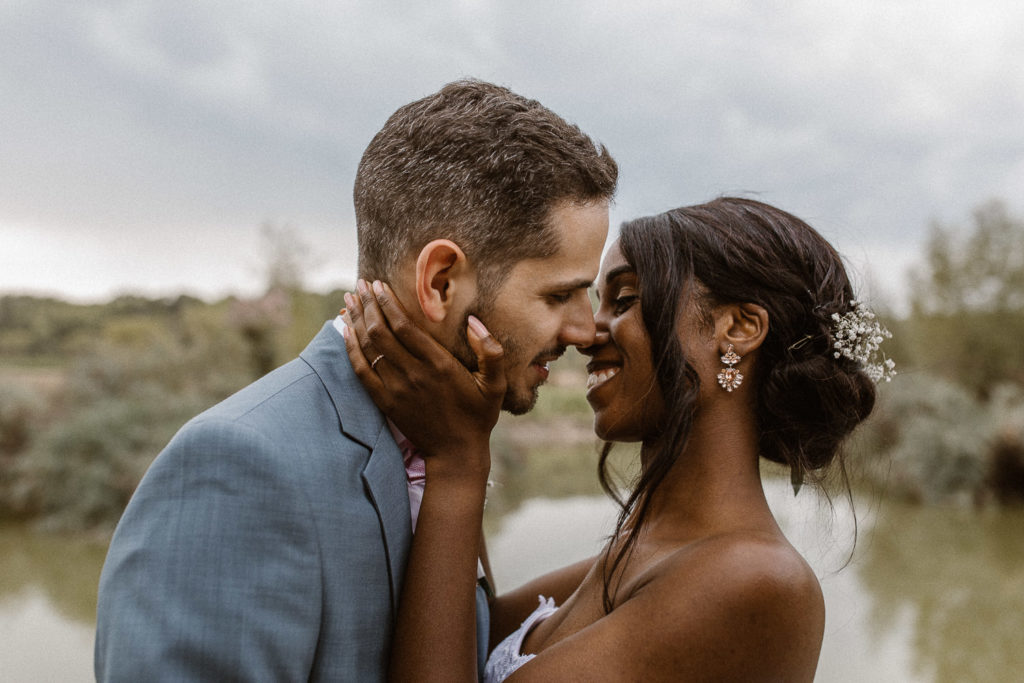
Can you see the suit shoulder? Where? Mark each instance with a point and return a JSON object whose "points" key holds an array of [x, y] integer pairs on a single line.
{"points": [[282, 383]]}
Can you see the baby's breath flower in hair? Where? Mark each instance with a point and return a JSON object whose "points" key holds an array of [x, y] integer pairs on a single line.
{"points": [[857, 335]]}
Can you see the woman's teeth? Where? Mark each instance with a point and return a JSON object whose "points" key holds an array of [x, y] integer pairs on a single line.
{"points": [[595, 378]]}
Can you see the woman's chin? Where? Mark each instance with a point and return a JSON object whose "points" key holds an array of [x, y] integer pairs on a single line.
{"points": [[609, 429]]}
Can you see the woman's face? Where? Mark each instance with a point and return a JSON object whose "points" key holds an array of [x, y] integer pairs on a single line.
{"points": [[621, 386]]}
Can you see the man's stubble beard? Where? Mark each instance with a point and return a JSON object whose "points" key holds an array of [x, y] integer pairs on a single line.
{"points": [[512, 402]]}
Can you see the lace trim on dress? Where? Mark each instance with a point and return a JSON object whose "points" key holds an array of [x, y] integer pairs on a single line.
{"points": [[506, 657]]}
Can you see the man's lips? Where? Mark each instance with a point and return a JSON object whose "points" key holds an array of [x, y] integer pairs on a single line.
{"points": [[540, 363], [542, 369]]}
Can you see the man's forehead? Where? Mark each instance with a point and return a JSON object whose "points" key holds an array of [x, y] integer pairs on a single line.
{"points": [[545, 280], [563, 269], [575, 261], [562, 272]]}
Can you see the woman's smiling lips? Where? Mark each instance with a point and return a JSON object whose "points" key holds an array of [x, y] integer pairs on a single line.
{"points": [[598, 374]]}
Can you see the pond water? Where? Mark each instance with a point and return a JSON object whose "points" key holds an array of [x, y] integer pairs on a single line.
{"points": [[928, 595], [47, 605]]}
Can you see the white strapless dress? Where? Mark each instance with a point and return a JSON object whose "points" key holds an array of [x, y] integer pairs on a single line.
{"points": [[507, 657]]}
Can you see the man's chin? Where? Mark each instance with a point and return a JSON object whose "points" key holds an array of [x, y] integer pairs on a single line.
{"points": [[519, 402]]}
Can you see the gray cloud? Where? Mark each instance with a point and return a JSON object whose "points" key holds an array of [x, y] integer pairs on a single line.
{"points": [[196, 122]]}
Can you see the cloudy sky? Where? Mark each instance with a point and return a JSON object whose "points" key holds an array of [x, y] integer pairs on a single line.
{"points": [[143, 143]]}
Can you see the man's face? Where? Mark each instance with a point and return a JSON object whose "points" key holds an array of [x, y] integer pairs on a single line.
{"points": [[543, 306]]}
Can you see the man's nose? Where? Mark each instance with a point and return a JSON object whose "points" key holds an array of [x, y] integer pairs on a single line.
{"points": [[578, 327]]}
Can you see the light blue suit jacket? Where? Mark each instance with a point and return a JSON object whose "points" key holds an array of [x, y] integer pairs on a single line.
{"points": [[267, 541]]}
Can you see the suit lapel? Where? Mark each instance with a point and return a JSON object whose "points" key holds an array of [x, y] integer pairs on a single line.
{"points": [[359, 418], [361, 421], [385, 480]]}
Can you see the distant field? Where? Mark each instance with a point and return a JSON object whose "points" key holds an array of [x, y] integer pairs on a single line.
{"points": [[40, 379]]}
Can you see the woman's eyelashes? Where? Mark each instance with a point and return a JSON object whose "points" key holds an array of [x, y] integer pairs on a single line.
{"points": [[623, 302]]}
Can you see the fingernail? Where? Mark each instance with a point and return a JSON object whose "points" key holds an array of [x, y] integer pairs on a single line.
{"points": [[378, 288], [361, 285], [346, 333], [478, 327], [348, 300]]}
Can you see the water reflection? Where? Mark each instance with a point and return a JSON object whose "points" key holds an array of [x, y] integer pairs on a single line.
{"points": [[63, 569], [545, 534], [959, 575], [557, 462], [47, 605], [929, 594]]}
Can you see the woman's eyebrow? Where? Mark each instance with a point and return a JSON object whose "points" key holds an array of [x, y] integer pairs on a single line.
{"points": [[611, 275], [617, 271]]}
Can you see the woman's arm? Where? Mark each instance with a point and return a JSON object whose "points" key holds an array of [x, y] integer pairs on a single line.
{"points": [[435, 637], [510, 609], [448, 413]]}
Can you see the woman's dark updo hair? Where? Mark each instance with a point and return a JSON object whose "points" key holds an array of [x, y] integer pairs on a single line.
{"points": [[733, 250]]}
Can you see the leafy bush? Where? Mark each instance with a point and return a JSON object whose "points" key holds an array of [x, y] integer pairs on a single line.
{"points": [[932, 441], [84, 469], [122, 403], [20, 412]]}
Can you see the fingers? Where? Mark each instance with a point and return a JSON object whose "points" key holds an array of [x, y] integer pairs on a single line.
{"points": [[397, 349], [379, 300], [373, 384], [355, 352], [412, 337], [372, 328], [356, 336], [415, 380], [490, 357]]}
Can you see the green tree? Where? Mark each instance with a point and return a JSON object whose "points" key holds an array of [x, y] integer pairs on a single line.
{"points": [[967, 302]]}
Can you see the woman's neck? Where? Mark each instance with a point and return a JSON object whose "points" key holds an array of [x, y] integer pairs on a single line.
{"points": [[715, 483]]}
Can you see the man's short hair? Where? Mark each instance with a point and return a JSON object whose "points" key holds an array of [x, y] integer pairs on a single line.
{"points": [[479, 165]]}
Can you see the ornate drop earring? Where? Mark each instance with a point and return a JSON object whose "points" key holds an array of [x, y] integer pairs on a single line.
{"points": [[730, 377]]}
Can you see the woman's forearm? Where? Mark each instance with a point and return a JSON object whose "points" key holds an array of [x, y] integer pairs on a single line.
{"points": [[435, 638]]}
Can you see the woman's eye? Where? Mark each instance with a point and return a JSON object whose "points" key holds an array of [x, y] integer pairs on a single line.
{"points": [[623, 303], [560, 298]]}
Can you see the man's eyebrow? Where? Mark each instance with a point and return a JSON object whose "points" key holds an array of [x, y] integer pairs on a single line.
{"points": [[571, 285]]}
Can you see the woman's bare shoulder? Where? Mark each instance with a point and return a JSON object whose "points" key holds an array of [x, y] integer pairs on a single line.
{"points": [[745, 559], [737, 606], [746, 596]]}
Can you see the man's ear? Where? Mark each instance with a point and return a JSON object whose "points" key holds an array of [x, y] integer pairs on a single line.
{"points": [[443, 277], [743, 325]]}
